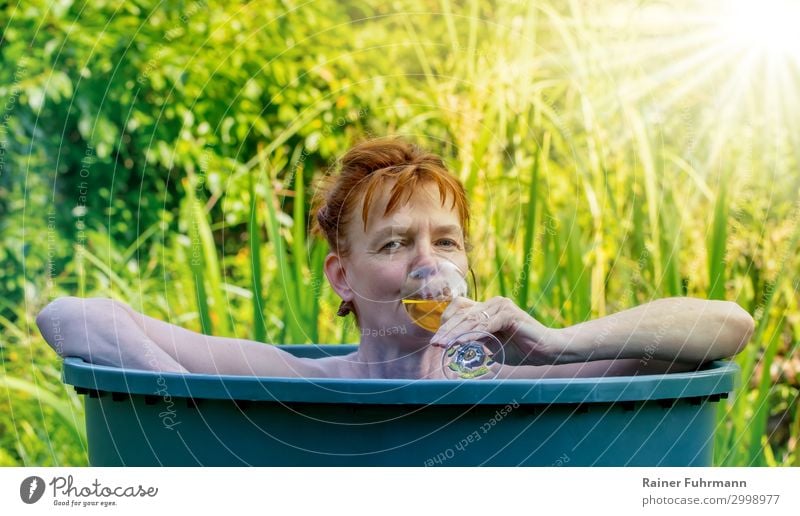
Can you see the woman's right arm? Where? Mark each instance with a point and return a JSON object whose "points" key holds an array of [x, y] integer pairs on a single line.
{"points": [[109, 332], [100, 331]]}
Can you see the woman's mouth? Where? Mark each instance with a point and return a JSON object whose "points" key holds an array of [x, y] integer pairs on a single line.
{"points": [[444, 282]]}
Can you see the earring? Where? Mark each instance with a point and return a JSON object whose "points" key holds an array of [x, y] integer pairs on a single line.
{"points": [[345, 307]]}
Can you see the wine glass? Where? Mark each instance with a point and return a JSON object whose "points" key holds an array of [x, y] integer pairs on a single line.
{"points": [[473, 354]]}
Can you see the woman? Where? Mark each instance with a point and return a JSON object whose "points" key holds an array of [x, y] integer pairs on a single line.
{"points": [[394, 218]]}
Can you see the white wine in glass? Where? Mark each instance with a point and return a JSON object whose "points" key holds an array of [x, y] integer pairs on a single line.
{"points": [[426, 313]]}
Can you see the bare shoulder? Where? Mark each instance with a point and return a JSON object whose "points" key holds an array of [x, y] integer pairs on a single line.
{"points": [[339, 366]]}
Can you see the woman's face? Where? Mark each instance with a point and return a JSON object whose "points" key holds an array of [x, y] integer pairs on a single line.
{"points": [[416, 238]]}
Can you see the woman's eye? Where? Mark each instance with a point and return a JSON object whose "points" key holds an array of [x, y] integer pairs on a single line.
{"points": [[391, 246], [446, 242]]}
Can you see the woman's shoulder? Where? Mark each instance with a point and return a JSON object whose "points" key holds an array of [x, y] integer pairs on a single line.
{"points": [[339, 366]]}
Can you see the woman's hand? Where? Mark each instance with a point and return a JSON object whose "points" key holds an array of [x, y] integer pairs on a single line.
{"points": [[525, 340]]}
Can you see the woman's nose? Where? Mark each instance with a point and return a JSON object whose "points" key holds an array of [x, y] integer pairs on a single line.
{"points": [[426, 263], [424, 271]]}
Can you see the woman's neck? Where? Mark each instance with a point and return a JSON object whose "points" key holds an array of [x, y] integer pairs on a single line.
{"points": [[398, 356]]}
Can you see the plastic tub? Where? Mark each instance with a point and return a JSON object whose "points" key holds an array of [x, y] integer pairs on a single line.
{"points": [[147, 418]]}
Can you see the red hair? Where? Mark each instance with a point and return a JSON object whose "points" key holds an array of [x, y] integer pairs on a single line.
{"points": [[370, 164]]}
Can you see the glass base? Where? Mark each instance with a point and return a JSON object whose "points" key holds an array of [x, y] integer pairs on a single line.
{"points": [[473, 355]]}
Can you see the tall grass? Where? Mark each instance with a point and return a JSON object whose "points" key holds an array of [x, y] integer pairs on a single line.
{"points": [[204, 263], [254, 239], [41, 419], [717, 241], [287, 295], [740, 438]]}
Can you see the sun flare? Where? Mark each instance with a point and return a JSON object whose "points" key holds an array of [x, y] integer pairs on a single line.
{"points": [[767, 27]]}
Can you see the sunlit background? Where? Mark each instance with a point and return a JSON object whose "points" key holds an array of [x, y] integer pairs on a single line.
{"points": [[614, 152]]}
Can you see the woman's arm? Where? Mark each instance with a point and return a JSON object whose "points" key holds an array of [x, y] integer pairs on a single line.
{"points": [[100, 331], [677, 329], [683, 329], [109, 332]]}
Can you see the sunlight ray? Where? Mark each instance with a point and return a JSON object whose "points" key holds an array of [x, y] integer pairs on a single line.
{"points": [[728, 101]]}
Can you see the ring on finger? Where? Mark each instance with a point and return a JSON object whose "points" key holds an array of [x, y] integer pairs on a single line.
{"points": [[485, 315]]}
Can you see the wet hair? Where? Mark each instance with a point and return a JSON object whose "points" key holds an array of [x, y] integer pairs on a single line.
{"points": [[364, 168]]}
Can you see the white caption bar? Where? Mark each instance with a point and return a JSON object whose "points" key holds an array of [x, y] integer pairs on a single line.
{"points": [[369, 491]]}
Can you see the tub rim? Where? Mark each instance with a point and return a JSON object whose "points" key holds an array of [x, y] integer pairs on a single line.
{"points": [[713, 382]]}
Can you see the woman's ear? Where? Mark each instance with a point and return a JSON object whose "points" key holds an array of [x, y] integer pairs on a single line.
{"points": [[334, 270]]}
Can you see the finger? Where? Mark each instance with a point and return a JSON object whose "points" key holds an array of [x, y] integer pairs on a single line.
{"points": [[499, 316], [458, 324], [489, 317], [473, 312], [479, 317], [453, 314], [462, 334], [443, 337], [458, 305]]}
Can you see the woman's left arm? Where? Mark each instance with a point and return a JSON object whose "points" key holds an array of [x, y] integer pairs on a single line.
{"points": [[681, 329]]}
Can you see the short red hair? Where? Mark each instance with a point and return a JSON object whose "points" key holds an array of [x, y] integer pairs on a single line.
{"points": [[368, 165]]}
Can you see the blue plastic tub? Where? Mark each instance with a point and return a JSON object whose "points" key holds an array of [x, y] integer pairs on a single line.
{"points": [[146, 418]]}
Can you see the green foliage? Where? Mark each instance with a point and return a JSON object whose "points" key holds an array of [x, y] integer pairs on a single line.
{"points": [[166, 154]]}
